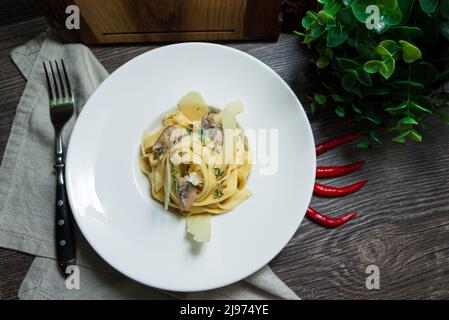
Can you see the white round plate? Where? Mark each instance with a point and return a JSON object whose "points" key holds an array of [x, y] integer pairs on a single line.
{"points": [[110, 196]]}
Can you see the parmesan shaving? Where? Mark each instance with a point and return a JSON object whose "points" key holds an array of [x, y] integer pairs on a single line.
{"points": [[199, 226]]}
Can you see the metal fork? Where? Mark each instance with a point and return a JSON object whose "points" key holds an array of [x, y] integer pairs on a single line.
{"points": [[62, 106]]}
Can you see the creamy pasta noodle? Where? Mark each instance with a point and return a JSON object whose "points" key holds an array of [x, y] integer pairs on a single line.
{"points": [[198, 163]]}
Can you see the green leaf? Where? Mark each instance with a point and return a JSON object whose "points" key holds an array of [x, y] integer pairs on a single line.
{"points": [[405, 32], [397, 108], [408, 120], [391, 46], [367, 51], [347, 64], [419, 107], [376, 91], [326, 19], [320, 98], [336, 36], [338, 98], [340, 111], [405, 84], [373, 118], [313, 107], [315, 31], [322, 62], [307, 21], [328, 53], [364, 77], [345, 16], [405, 7], [374, 135], [387, 67], [423, 72], [383, 52], [363, 143], [410, 53], [332, 7], [347, 2], [356, 109], [428, 6], [444, 29], [444, 9], [372, 66], [401, 137], [415, 136], [348, 82]]}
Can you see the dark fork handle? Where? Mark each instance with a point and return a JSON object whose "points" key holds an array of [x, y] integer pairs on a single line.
{"points": [[65, 244]]}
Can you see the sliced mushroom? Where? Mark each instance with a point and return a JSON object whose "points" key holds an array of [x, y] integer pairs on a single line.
{"points": [[187, 194], [213, 131], [169, 137]]}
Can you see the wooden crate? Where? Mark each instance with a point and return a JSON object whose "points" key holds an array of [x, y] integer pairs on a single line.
{"points": [[113, 21]]}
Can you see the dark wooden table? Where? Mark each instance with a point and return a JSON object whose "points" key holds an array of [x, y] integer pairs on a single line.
{"points": [[403, 227]]}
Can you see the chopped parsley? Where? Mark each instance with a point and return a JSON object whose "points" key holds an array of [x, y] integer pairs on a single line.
{"points": [[174, 171], [190, 129], [218, 193], [175, 183], [202, 134], [218, 172], [159, 151]]}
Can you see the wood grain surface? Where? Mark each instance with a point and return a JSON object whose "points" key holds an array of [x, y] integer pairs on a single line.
{"points": [[403, 226], [116, 21]]}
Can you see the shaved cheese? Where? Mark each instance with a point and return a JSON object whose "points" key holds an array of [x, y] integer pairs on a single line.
{"points": [[229, 113], [199, 226], [193, 178], [167, 184], [229, 125], [193, 106]]}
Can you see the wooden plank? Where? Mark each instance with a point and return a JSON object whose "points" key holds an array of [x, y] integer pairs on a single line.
{"points": [[114, 21], [163, 20]]}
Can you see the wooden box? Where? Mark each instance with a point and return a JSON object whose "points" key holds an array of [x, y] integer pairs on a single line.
{"points": [[113, 21]]}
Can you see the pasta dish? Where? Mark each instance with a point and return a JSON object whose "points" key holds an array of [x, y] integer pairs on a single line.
{"points": [[198, 163]]}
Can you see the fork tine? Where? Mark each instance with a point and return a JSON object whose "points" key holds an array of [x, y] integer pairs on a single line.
{"points": [[58, 93], [69, 87], [63, 87], [50, 88]]}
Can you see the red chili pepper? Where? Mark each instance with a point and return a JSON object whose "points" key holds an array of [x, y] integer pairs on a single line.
{"points": [[329, 222], [335, 171], [328, 191], [328, 145]]}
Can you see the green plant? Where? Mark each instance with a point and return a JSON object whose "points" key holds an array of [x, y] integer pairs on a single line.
{"points": [[391, 75]]}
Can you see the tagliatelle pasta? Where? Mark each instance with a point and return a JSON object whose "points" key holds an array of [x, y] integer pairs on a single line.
{"points": [[198, 162]]}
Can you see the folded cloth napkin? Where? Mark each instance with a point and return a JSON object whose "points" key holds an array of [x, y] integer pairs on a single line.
{"points": [[27, 186]]}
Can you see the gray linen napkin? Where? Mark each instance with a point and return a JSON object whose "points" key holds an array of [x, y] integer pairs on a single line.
{"points": [[27, 186]]}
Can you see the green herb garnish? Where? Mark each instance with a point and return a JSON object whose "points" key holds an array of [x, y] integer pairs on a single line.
{"points": [[218, 193], [218, 172], [202, 134], [174, 170], [190, 129]]}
